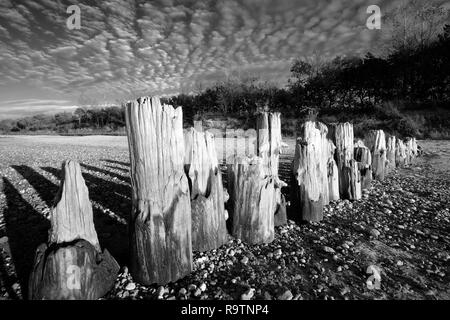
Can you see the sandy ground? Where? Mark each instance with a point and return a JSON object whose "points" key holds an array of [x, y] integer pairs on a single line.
{"points": [[409, 212]]}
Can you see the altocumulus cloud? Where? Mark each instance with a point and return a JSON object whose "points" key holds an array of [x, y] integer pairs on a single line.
{"points": [[165, 46]]}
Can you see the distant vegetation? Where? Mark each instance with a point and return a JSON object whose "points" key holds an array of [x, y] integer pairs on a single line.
{"points": [[405, 91]]}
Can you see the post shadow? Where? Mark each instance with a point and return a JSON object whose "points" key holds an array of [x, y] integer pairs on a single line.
{"points": [[26, 229], [45, 188], [107, 172], [126, 171], [121, 163]]}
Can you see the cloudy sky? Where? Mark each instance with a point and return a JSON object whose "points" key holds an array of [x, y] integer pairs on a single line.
{"points": [[164, 46]]}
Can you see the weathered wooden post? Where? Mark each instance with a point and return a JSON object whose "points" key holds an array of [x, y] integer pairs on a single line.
{"points": [[160, 221], [400, 153], [411, 150], [364, 159], [343, 139], [269, 147], [72, 266], [209, 229], [390, 153], [252, 200], [307, 191], [376, 142], [333, 174]]}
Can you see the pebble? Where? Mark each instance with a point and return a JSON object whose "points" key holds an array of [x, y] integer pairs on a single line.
{"points": [[197, 292], [192, 287], [202, 287], [160, 291], [3, 240], [131, 286], [328, 249], [375, 233], [244, 260], [248, 294], [182, 291], [286, 295]]}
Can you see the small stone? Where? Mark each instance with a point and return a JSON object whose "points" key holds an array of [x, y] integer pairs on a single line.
{"points": [[375, 233], [286, 295], [400, 263], [3, 240], [202, 287], [267, 296], [328, 249], [247, 295], [339, 269], [197, 292], [244, 260], [131, 286], [277, 252], [160, 291], [182, 291], [192, 287]]}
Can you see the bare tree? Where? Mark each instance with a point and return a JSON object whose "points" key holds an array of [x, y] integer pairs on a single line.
{"points": [[414, 24]]}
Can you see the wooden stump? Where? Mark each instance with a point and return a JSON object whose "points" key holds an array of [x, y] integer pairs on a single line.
{"points": [[352, 179], [309, 173], [252, 201], [390, 153], [415, 147], [72, 266], [333, 174], [376, 142], [209, 229], [160, 221], [269, 147], [411, 150], [364, 159], [343, 139], [400, 153]]}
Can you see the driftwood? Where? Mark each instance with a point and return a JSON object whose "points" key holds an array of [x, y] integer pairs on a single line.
{"points": [[364, 159], [376, 142], [310, 172], [160, 221], [209, 229], [343, 139], [269, 147], [72, 265], [390, 153], [252, 201]]}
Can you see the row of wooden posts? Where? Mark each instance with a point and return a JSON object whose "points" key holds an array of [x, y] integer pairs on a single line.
{"points": [[179, 204]]}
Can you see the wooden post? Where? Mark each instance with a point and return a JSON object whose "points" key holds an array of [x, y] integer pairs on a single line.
{"points": [[309, 173], [252, 200], [343, 139], [411, 150], [269, 147], [390, 154], [352, 178], [376, 142], [72, 266], [333, 174], [364, 159], [400, 153], [160, 222], [209, 229]]}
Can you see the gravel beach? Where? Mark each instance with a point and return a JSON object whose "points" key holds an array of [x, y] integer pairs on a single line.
{"points": [[392, 244]]}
